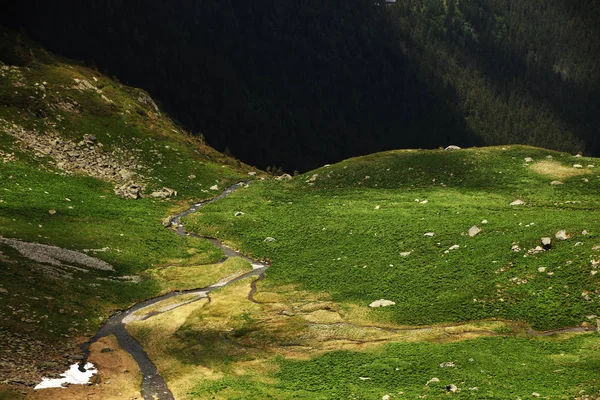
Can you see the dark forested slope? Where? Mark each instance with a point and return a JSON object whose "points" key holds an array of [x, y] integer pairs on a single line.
{"points": [[298, 84]]}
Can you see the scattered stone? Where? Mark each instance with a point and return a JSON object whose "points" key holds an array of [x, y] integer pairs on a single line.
{"points": [[485, 221], [429, 234], [51, 212], [591, 166], [549, 157], [3, 291], [238, 214], [382, 303], [447, 364], [386, 397], [561, 235], [528, 159], [579, 244], [164, 193], [452, 147], [252, 173], [214, 187], [432, 380], [454, 247], [556, 183], [284, 177], [535, 394], [269, 240], [517, 202], [547, 243], [405, 253], [452, 388], [584, 232], [577, 166], [515, 247], [542, 269], [377, 207], [474, 231], [129, 190], [424, 202]]}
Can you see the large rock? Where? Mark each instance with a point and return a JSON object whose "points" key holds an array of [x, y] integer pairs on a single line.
{"points": [[129, 190], [164, 193], [474, 231], [561, 235], [382, 303], [284, 177], [452, 147], [547, 243], [517, 202]]}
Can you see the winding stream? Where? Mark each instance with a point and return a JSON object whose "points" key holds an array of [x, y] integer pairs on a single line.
{"points": [[153, 385]]}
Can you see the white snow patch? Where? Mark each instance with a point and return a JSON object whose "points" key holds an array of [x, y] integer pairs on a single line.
{"points": [[73, 376]]}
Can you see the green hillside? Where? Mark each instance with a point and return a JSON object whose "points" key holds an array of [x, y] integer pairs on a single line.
{"points": [[403, 274], [68, 137]]}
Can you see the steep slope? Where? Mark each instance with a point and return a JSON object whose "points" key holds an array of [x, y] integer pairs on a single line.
{"points": [[76, 149], [273, 80]]}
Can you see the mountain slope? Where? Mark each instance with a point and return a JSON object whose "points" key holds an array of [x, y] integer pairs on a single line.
{"points": [[273, 82], [71, 249]]}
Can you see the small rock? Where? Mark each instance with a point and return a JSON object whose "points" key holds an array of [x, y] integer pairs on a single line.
{"points": [[381, 303], [547, 243], [424, 202], [51, 212], [386, 397], [214, 187], [561, 235], [129, 190], [454, 247], [528, 159], [252, 173], [584, 232], [549, 157], [3, 291], [429, 234], [405, 253], [377, 207], [452, 147], [556, 183], [432, 380], [452, 388], [269, 240], [577, 166], [447, 364], [238, 214], [535, 394], [517, 202], [474, 231], [542, 269], [106, 350], [485, 221], [284, 177]]}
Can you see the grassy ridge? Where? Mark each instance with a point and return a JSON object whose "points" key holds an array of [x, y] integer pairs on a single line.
{"points": [[343, 232]]}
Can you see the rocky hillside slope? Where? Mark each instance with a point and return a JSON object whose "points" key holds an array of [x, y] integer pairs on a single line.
{"points": [[89, 169]]}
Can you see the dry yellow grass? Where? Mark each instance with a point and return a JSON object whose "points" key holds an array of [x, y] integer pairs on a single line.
{"points": [[556, 170], [118, 378]]}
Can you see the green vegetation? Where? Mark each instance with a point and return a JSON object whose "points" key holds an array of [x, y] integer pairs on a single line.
{"points": [[485, 368], [44, 199], [344, 232]]}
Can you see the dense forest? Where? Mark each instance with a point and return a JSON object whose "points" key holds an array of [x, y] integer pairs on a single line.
{"points": [[300, 84]]}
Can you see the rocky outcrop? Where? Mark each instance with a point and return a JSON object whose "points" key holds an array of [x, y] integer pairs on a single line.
{"points": [[129, 190], [86, 156], [164, 193]]}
